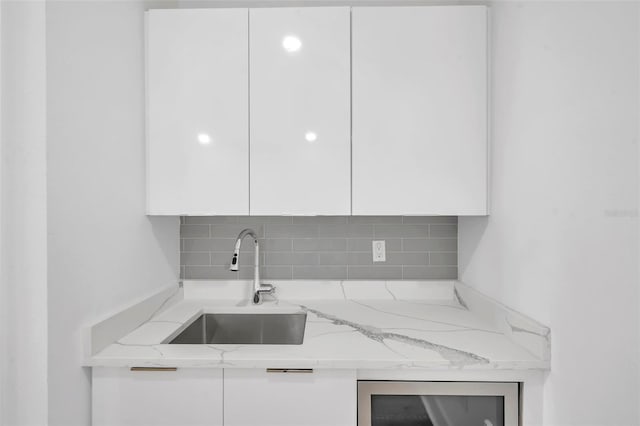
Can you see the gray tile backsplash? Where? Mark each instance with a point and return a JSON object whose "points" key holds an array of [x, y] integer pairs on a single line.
{"points": [[321, 247]]}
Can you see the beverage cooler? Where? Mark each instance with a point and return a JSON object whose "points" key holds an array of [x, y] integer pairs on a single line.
{"points": [[437, 404]]}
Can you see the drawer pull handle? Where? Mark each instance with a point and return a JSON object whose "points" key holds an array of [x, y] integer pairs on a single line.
{"points": [[289, 370], [154, 369]]}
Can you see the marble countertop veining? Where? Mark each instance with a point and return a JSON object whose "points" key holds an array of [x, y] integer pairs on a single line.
{"points": [[355, 325]]}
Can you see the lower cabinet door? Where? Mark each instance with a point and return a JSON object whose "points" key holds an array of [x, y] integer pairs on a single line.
{"points": [[319, 398], [185, 397]]}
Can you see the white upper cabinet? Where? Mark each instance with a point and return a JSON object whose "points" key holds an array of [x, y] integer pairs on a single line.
{"points": [[300, 111], [197, 112], [317, 111], [419, 90]]}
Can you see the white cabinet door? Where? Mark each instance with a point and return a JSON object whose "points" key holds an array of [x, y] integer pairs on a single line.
{"points": [[321, 398], [186, 397], [300, 111], [419, 110], [197, 112]]}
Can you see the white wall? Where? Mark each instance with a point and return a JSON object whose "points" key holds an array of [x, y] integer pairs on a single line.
{"points": [[23, 261], [561, 243], [103, 250]]}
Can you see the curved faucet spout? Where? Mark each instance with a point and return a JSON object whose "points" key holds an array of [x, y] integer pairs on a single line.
{"points": [[244, 233], [235, 260]]}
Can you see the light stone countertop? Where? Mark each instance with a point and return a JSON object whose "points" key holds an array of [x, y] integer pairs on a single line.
{"points": [[434, 325]]}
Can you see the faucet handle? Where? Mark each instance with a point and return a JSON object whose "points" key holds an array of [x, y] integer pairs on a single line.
{"points": [[264, 288], [267, 288]]}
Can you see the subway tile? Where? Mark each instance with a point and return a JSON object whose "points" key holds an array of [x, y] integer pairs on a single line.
{"points": [[375, 219], [375, 272], [277, 272], [443, 231], [291, 231], [403, 231], [321, 247], [407, 258], [263, 220], [189, 244], [360, 258], [393, 259], [333, 258], [194, 231], [246, 260], [366, 244], [320, 272], [209, 272], [425, 244], [429, 272], [246, 273], [291, 258], [429, 219], [404, 258], [212, 244], [195, 258], [209, 220], [349, 231], [319, 220], [320, 244], [233, 230], [443, 259], [276, 244], [224, 258], [266, 272]]}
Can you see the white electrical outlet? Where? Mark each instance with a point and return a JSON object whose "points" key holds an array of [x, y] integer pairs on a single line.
{"points": [[379, 251]]}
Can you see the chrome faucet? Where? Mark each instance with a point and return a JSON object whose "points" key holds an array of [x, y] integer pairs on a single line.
{"points": [[258, 289]]}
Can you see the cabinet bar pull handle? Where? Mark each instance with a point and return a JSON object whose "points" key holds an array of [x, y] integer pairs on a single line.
{"points": [[154, 369], [289, 370]]}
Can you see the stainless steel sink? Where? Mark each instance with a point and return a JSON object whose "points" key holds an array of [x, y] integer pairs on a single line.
{"points": [[245, 329]]}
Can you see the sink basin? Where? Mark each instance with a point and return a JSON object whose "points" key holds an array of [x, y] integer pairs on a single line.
{"points": [[245, 329]]}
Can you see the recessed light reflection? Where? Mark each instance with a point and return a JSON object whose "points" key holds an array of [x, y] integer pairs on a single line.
{"points": [[311, 136], [204, 139], [291, 44]]}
